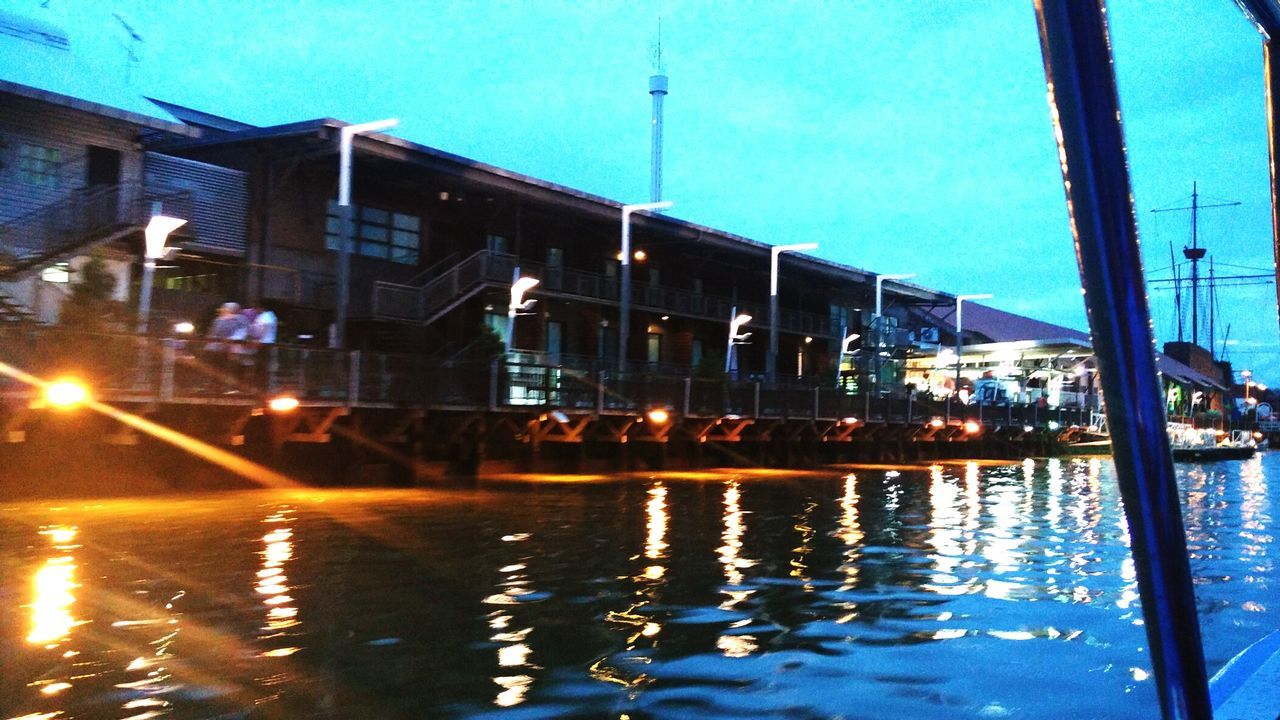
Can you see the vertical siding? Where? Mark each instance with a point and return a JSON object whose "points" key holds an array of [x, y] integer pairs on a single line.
{"points": [[218, 205], [23, 120]]}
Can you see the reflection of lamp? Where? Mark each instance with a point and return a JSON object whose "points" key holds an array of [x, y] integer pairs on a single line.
{"points": [[156, 233], [775, 251], [734, 337], [519, 286]]}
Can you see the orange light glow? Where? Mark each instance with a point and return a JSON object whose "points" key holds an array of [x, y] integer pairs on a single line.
{"points": [[658, 416], [65, 393], [971, 427], [283, 404], [936, 423]]}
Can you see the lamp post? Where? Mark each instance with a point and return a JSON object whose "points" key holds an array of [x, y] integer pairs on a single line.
{"points": [[156, 233], [873, 362], [1248, 377], [624, 290], [736, 321], [960, 329], [844, 350], [519, 286], [771, 360], [345, 136], [880, 286]]}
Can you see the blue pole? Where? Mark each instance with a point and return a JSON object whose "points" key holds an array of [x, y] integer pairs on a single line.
{"points": [[1082, 92]]}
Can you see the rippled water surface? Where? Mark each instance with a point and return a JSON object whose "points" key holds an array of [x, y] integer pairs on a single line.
{"points": [[945, 592]]}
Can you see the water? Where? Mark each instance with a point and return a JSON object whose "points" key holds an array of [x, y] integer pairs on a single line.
{"points": [[952, 592]]}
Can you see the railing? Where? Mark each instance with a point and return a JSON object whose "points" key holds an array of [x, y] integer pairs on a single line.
{"points": [[83, 216], [148, 369], [422, 303]]}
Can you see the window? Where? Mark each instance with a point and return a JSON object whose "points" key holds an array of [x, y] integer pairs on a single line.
{"points": [[654, 348], [498, 244], [38, 165], [376, 233]]}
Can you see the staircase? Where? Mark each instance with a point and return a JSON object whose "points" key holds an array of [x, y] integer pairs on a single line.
{"points": [[12, 311], [72, 225], [429, 302]]}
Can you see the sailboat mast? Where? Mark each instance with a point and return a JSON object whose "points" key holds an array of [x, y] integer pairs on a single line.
{"points": [[1213, 309], [1177, 291], [1194, 254]]}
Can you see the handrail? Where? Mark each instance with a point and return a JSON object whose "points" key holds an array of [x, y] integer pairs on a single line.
{"points": [[81, 216]]}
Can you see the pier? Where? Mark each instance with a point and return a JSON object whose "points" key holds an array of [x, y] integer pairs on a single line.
{"points": [[422, 417]]}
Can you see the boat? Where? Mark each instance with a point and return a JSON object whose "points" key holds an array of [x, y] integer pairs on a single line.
{"points": [[1192, 444]]}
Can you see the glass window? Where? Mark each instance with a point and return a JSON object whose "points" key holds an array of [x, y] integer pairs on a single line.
{"points": [[39, 165], [498, 244], [555, 257], [378, 233]]}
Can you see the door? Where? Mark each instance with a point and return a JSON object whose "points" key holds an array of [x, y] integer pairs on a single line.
{"points": [[555, 341], [103, 166]]}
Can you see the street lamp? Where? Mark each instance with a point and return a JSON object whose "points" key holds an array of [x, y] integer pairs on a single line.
{"points": [[155, 234], [345, 136], [735, 323], [624, 291], [880, 285], [960, 329], [519, 286], [1248, 376], [771, 360], [844, 350]]}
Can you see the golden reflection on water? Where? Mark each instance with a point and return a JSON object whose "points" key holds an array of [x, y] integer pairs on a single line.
{"points": [[53, 591], [655, 543], [945, 534], [799, 563], [513, 653], [850, 533], [273, 583]]}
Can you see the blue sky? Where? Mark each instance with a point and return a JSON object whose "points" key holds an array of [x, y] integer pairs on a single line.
{"points": [[903, 137]]}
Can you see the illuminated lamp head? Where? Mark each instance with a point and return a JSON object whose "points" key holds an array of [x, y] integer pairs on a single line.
{"points": [[65, 393], [971, 427], [658, 416], [936, 423], [283, 404]]}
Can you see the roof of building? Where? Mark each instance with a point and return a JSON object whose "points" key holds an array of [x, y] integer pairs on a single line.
{"points": [[1184, 373], [1000, 326], [38, 60], [311, 127]]}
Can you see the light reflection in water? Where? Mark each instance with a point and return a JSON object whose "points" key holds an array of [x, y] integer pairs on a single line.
{"points": [[54, 583], [730, 551], [850, 532], [655, 544], [273, 583], [1003, 544], [514, 652], [946, 530], [799, 563]]}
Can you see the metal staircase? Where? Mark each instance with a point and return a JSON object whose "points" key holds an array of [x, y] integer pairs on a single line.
{"points": [[12, 311], [72, 225], [429, 302]]}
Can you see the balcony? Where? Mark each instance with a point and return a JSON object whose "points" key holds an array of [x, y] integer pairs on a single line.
{"points": [[489, 269]]}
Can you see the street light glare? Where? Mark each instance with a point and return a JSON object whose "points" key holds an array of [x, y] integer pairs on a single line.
{"points": [[65, 394], [283, 404]]}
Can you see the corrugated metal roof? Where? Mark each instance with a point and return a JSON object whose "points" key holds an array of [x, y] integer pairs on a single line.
{"points": [[1000, 326]]}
